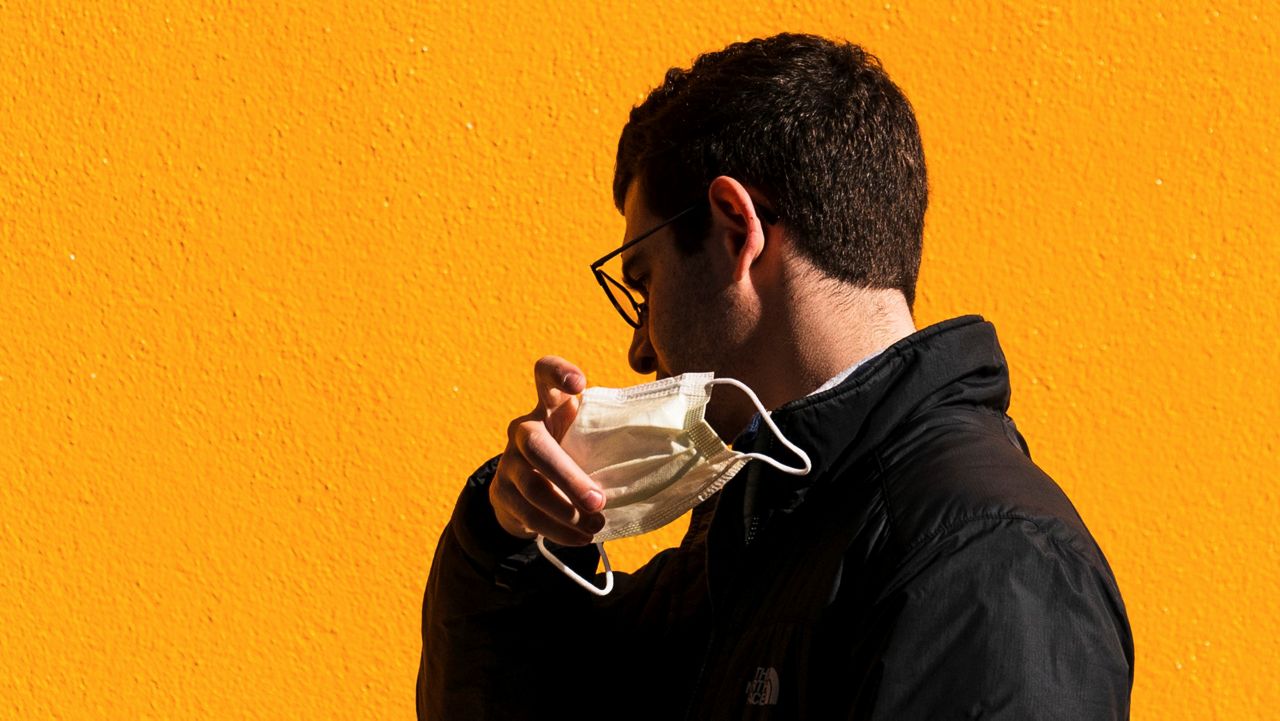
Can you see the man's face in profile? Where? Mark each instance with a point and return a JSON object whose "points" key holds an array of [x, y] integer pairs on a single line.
{"points": [[690, 325]]}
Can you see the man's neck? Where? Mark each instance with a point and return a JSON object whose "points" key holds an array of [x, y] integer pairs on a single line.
{"points": [[834, 327], [827, 328]]}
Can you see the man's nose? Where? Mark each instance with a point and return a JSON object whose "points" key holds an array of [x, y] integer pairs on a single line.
{"points": [[641, 356]]}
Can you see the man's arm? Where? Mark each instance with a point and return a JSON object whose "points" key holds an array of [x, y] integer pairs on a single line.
{"points": [[1002, 619], [495, 625], [507, 636], [494, 619]]}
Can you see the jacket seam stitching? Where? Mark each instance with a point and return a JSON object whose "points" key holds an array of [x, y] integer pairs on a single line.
{"points": [[966, 521], [881, 475]]}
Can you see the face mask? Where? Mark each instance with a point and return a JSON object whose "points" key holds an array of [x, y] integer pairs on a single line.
{"points": [[655, 456]]}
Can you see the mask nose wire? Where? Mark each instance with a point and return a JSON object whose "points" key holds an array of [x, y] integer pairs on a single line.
{"points": [[573, 575], [764, 416]]}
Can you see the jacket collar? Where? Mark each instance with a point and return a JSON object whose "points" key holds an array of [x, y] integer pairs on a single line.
{"points": [[958, 361]]}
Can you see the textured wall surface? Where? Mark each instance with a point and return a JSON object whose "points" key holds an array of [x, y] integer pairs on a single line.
{"points": [[272, 280]]}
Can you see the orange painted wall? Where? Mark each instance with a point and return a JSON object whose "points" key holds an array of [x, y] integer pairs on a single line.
{"points": [[272, 278]]}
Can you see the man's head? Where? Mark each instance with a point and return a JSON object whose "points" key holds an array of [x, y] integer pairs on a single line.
{"points": [[815, 126], [803, 164]]}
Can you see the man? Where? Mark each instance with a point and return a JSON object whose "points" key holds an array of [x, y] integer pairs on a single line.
{"points": [[925, 568]]}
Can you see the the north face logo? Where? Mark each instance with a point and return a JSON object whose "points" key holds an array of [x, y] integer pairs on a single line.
{"points": [[763, 689]]}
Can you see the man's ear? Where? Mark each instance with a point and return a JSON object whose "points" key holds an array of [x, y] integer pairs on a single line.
{"points": [[736, 223]]}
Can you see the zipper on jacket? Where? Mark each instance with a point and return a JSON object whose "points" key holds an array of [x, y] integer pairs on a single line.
{"points": [[702, 669], [695, 689]]}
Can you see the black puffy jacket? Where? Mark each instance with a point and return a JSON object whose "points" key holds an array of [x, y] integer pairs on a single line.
{"points": [[926, 569]]}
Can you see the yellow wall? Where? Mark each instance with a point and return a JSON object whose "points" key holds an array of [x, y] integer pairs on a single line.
{"points": [[272, 280]]}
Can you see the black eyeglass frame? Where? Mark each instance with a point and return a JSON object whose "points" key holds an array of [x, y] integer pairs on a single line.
{"points": [[641, 307]]}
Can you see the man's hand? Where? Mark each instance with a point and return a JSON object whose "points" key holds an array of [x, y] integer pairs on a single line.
{"points": [[538, 488]]}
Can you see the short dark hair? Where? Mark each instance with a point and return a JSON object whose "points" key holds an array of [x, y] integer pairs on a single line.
{"points": [[815, 125]]}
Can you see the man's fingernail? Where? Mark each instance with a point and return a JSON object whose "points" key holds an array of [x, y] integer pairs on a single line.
{"points": [[595, 500], [570, 380]]}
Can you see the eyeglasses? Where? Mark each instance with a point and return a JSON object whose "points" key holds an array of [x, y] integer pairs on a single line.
{"points": [[631, 309]]}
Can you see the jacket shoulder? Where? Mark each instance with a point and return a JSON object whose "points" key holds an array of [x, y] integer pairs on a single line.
{"points": [[956, 466]]}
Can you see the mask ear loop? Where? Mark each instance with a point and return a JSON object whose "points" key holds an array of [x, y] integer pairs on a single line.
{"points": [[573, 575], [764, 416]]}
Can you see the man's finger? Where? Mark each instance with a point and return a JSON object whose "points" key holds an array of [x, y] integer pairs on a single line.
{"points": [[549, 499], [556, 379], [533, 520], [546, 456]]}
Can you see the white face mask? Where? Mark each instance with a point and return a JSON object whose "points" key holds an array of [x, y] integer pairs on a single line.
{"points": [[655, 456]]}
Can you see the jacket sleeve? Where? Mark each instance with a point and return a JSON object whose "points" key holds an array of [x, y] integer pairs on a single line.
{"points": [[1002, 619], [495, 624]]}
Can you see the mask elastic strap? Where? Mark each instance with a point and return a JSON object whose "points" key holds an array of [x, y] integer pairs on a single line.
{"points": [[572, 574], [764, 416]]}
